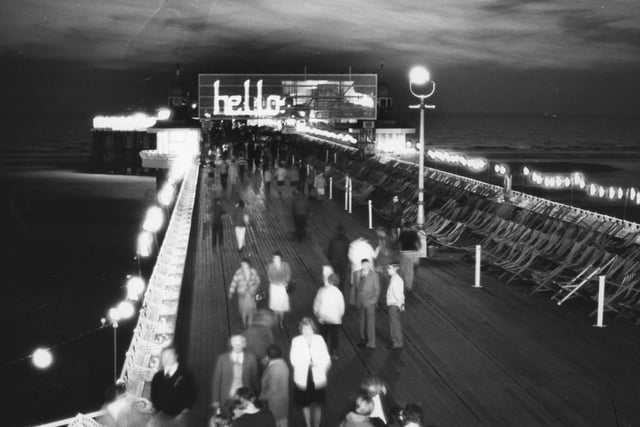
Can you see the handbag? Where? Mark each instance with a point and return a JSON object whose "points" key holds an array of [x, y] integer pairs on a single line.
{"points": [[291, 287]]}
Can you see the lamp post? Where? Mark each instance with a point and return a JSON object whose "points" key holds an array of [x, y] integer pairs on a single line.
{"points": [[419, 79]]}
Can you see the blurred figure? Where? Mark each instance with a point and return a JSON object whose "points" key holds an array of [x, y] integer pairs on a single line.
{"points": [[328, 307], [300, 210], [246, 283], [281, 176], [311, 361], [360, 416], [242, 165], [279, 274], [259, 334], [383, 256], [240, 222], [384, 407], [409, 255], [395, 303], [121, 410], [366, 293], [267, 177], [320, 184], [395, 217], [233, 175], [294, 177], [173, 391], [234, 369], [217, 212], [275, 385], [251, 413], [338, 255], [224, 173]]}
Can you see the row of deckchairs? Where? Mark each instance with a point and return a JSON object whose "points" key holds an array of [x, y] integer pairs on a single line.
{"points": [[543, 244]]}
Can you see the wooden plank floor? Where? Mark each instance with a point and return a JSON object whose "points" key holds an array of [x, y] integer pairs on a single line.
{"points": [[473, 357]]}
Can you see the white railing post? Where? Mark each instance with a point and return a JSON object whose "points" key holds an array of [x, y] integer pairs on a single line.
{"points": [[600, 318], [335, 157], [350, 195], [330, 188], [478, 260], [346, 193], [370, 215]]}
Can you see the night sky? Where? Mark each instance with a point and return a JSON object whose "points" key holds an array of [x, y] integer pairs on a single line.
{"points": [[507, 56]]}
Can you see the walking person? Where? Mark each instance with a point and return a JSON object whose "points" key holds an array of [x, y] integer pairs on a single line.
{"points": [[311, 361], [366, 292], [395, 304], [240, 221], [294, 177], [385, 409], [224, 173], [233, 175], [242, 165], [359, 249], [275, 385], [300, 209], [173, 391], [338, 255], [328, 307], [234, 369], [395, 218], [281, 176], [217, 212], [320, 184], [409, 255], [360, 415], [245, 283], [267, 177], [279, 274]]}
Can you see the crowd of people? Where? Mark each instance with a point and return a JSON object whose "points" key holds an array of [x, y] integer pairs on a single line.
{"points": [[251, 381]]}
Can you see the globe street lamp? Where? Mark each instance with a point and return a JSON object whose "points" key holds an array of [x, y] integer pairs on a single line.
{"points": [[421, 87]]}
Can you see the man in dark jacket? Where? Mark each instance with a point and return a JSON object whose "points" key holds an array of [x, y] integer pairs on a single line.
{"points": [[338, 255], [173, 391]]}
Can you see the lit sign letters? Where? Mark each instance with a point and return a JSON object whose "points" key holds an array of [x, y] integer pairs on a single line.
{"points": [[238, 105]]}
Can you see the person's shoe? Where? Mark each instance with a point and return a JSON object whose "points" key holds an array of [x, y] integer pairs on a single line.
{"points": [[397, 347], [361, 344], [371, 347]]}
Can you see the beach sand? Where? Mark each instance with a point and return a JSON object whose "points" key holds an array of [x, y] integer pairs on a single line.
{"points": [[69, 241]]}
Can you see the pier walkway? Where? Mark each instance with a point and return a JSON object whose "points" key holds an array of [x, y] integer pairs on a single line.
{"points": [[473, 357]]}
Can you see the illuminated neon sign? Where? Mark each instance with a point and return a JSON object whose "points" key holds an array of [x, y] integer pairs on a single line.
{"points": [[237, 105]]}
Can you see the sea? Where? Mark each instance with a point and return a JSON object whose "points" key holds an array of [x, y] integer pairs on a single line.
{"points": [[69, 236]]}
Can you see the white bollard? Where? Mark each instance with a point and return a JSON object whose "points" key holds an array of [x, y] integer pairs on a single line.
{"points": [[350, 195], [330, 188], [346, 193], [307, 169], [600, 319], [478, 258], [326, 158], [370, 215], [293, 160], [335, 157]]}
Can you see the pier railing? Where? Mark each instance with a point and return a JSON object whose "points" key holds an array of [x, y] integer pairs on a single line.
{"points": [[157, 319]]}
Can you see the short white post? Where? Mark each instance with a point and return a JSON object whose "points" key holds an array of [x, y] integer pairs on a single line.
{"points": [[600, 319], [478, 258], [326, 158], [370, 215], [330, 188], [293, 159], [350, 194], [335, 157], [346, 193], [307, 169]]}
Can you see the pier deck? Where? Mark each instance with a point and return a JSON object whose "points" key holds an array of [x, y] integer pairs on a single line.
{"points": [[473, 357]]}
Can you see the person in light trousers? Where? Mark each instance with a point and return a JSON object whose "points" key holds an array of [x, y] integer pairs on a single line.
{"points": [[395, 303], [328, 307]]}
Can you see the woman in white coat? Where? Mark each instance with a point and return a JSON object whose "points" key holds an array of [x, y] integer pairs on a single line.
{"points": [[311, 362]]}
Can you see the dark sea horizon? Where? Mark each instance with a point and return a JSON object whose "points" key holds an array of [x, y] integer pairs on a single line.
{"points": [[72, 235]]}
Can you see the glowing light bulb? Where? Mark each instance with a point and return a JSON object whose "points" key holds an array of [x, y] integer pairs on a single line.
{"points": [[526, 171], [419, 75], [126, 310], [42, 358], [145, 242], [114, 315], [601, 191], [135, 287], [620, 193], [153, 220]]}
